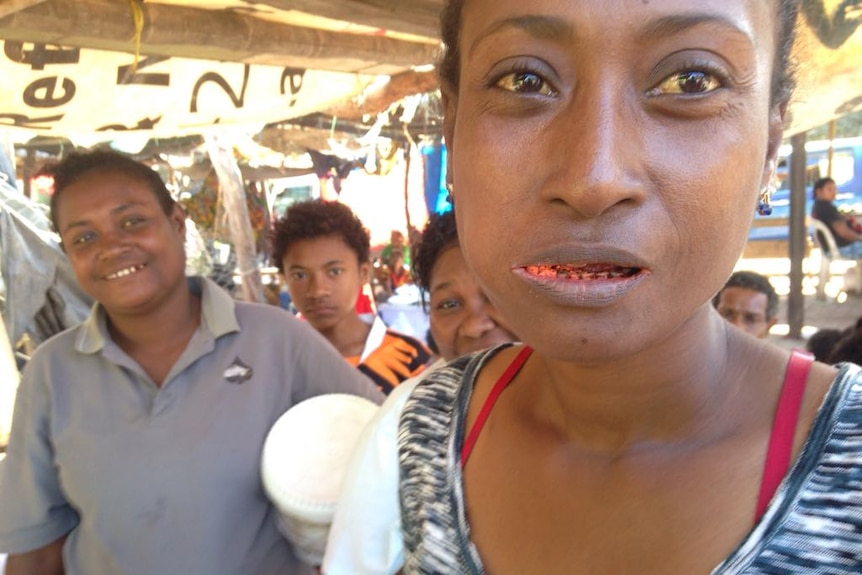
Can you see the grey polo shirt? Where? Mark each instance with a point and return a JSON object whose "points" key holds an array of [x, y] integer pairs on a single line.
{"points": [[150, 480]]}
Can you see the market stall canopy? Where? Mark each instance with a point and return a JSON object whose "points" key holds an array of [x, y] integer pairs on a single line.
{"points": [[226, 61], [829, 56], [178, 66]]}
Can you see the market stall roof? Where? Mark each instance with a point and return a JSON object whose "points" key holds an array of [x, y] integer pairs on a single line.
{"points": [[383, 37], [78, 67]]}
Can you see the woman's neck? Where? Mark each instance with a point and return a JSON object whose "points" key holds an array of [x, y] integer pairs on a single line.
{"points": [[171, 324], [677, 391]]}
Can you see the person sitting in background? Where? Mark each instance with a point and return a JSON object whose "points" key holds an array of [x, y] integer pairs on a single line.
{"points": [[462, 321], [322, 251], [749, 302], [845, 229], [136, 437]]}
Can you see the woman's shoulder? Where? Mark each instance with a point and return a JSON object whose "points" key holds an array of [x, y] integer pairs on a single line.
{"points": [[842, 402], [836, 431]]}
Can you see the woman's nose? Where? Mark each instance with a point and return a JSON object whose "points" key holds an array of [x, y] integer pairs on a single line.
{"points": [[477, 323], [599, 164], [112, 245]]}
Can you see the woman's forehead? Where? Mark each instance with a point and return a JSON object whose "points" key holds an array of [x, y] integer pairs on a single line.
{"points": [[550, 17]]}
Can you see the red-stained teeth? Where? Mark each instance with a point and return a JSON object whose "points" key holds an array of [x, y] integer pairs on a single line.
{"points": [[584, 272]]}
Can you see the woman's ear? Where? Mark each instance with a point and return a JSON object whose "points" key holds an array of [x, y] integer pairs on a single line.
{"points": [[777, 119], [178, 220]]}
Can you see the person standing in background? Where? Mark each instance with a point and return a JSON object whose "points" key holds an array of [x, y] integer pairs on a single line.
{"points": [[322, 251], [396, 243]]}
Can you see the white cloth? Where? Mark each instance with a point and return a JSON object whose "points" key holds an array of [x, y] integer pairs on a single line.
{"points": [[365, 538], [374, 339]]}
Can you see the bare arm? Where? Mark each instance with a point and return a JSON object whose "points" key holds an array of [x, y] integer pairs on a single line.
{"points": [[841, 229], [47, 560]]}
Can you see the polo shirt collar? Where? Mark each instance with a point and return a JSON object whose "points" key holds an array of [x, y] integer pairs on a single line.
{"points": [[218, 316]]}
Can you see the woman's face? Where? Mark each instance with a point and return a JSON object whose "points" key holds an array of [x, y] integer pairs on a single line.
{"points": [[125, 251], [606, 158], [462, 319]]}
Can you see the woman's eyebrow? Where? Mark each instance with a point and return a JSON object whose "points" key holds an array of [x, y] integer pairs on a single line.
{"points": [[549, 27], [677, 23], [114, 211]]}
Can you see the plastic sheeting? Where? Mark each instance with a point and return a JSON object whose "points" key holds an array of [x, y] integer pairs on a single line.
{"points": [[41, 295]]}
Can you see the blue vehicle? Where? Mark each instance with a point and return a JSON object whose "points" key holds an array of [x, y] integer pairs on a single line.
{"points": [[846, 171]]}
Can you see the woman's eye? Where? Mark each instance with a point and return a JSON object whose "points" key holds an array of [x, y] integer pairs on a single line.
{"points": [[83, 238], [688, 82], [448, 304], [132, 222], [525, 83]]}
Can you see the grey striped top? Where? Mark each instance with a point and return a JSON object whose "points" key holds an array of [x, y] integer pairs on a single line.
{"points": [[813, 524]]}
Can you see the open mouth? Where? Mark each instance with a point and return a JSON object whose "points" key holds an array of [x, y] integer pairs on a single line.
{"points": [[595, 271], [124, 272]]}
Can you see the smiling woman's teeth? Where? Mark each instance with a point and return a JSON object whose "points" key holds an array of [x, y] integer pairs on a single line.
{"points": [[124, 272]]}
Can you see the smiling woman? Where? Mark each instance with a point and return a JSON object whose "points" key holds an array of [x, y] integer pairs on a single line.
{"points": [[116, 458], [634, 430]]}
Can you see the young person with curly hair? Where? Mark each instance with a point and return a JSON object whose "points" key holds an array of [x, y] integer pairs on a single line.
{"points": [[322, 251]]}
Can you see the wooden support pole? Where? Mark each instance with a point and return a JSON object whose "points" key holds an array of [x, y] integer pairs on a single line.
{"points": [[399, 87], [798, 236], [420, 17], [179, 31], [830, 156], [11, 6]]}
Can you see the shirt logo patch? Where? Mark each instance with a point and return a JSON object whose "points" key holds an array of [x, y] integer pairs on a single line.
{"points": [[238, 372]]}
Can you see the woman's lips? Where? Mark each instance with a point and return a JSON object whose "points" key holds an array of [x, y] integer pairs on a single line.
{"points": [[582, 285], [592, 271]]}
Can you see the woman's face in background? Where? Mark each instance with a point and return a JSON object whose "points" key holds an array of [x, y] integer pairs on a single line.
{"points": [[461, 317], [609, 156]]}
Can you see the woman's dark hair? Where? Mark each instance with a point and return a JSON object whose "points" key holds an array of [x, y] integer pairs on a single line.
{"points": [[439, 234], [783, 75], [849, 347], [819, 185], [316, 219], [822, 342], [78, 164]]}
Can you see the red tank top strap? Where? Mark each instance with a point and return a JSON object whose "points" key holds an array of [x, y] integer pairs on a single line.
{"points": [[786, 420], [501, 384]]}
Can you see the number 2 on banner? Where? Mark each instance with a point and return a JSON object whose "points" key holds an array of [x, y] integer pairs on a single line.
{"points": [[238, 102]]}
